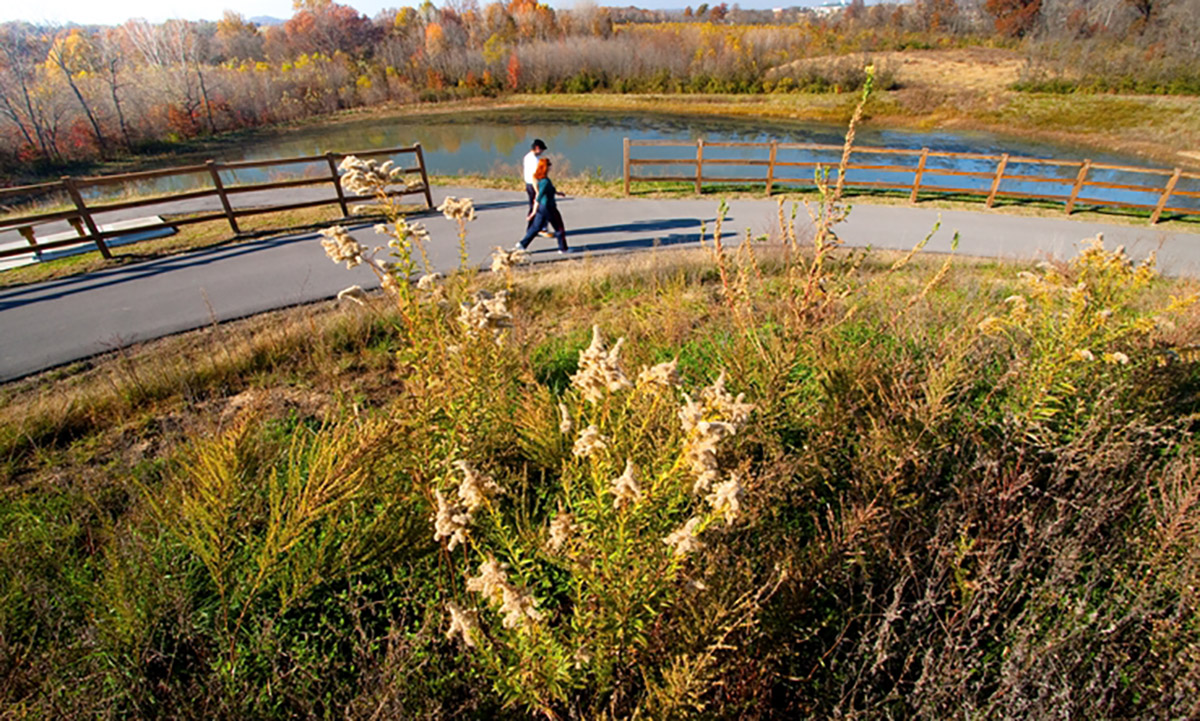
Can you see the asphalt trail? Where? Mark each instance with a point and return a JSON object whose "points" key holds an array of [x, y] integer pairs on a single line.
{"points": [[60, 321]]}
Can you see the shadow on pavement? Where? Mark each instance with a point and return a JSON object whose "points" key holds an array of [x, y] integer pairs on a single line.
{"points": [[30, 294], [626, 245], [643, 226], [500, 205]]}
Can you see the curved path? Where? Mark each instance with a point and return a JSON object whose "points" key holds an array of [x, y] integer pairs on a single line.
{"points": [[57, 322]]}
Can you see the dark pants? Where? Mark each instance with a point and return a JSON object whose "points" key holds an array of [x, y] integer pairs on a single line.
{"points": [[544, 216], [531, 191]]}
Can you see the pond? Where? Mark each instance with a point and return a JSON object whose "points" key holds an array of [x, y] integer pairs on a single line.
{"points": [[493, 142]]}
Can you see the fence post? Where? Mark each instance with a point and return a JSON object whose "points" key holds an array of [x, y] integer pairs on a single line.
{"points": [[424, 176], [69, 183], [626, 166], [996, 182], [1083, 171], [26, 232], [771, 167], [77, 224], [216, 179], [699, 163], [337, 183], [917, 178], [1162, 201]]}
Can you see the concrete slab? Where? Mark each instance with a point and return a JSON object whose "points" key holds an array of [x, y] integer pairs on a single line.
{"points": [[130, 224]]}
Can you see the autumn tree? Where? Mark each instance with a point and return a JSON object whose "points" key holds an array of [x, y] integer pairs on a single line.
{"points": [[1144, 11], [936, 15], [236, 38], [326, 27], [69, 54], [19, 98], [1014, 18], [111, 54], [498, 23]]}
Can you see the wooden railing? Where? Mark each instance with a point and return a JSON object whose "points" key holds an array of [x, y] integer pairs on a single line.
{"points": [[82, 216], [778, 172]]}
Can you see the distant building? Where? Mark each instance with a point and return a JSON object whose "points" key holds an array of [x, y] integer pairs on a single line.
{"points": [[830, 8]]}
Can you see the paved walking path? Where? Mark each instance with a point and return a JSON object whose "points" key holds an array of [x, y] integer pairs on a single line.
{"points": [[60, 321]]}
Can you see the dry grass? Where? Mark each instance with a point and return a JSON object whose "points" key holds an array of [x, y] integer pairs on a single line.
{"points": [[972, 69], [236, 439]]}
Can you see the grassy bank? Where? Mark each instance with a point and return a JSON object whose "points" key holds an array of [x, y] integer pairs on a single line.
{"points": [[808, 482]]}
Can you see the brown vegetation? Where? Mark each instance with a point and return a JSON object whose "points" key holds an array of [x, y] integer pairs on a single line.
{"points": [[80, 94]]}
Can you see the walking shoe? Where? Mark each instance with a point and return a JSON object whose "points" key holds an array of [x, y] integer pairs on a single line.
{"points": [[546, 234]]}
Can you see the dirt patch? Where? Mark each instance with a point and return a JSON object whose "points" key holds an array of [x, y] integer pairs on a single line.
{"points": [[976, 70], [980, 70]]}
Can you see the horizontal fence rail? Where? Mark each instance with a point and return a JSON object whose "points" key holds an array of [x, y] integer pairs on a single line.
{"points": [[220, 184], [924, 171]]}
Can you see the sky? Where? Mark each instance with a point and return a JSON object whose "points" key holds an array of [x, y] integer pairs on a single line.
{"points": [[115, 12]]}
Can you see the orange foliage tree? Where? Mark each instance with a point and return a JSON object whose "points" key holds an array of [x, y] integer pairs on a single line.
{"points": [[514, 70], [1014, 18]]}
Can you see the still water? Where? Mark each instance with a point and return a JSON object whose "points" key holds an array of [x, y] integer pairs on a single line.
{"points": [[492, 143]]}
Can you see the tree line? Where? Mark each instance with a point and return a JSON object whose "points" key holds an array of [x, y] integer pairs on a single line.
{"points": [[84, 92]]}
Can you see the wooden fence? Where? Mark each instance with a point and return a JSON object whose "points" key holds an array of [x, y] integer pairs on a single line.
{"points": [[82, 216], [776, 172]]}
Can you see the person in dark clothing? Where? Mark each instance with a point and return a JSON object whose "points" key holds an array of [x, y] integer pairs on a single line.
{"points": [[546, 211], [529, 165]]}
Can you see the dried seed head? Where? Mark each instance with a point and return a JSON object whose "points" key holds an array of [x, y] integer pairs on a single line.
{"points": [[490, 580], [464, 624], [505, 260], [589, 442], [731, 409], [368, 177], [664, 376], [339, 246], [455, 209], [690, 414], [564, 420], [354, 293], [487, 313], [517, 607], [684, 540], [428, 282], [726, 499], [626, 489], [451, 521], [476, 488], [561, 529], [600, 369]]}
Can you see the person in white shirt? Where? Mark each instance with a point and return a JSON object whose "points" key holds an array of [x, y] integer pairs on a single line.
{"points": [[530, 167]]}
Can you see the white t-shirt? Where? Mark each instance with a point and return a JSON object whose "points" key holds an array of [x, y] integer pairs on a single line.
{"points": [[531, 163]]}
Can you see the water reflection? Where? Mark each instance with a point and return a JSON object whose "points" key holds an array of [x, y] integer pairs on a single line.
{"points": [[492, 143]]}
